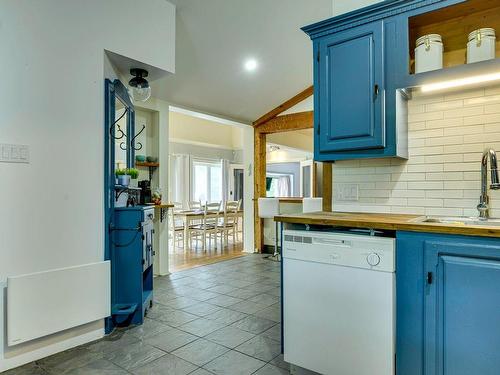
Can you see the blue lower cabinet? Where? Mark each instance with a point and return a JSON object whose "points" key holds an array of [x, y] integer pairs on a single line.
{"points": [[448, 305], [131, 266]]}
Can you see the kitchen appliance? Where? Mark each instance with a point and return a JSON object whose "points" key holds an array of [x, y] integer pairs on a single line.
{"points": [[145, 186], [339, 302], [481, 45], [428, 53]]}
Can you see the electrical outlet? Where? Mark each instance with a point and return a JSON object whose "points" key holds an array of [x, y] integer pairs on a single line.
{"points": [[346, 192], [14, 153]]}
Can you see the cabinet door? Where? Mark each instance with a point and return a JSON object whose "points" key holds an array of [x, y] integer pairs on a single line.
{"points": [[462, 309], [351, 89]]}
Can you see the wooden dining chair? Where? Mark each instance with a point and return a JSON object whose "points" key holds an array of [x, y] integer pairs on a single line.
{"points": [[208, 226], [177, 226], [195, 205], [229, 222]]}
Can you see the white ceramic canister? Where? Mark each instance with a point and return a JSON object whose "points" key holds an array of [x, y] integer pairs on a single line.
{"points": [[428, 53], [481, 45]]}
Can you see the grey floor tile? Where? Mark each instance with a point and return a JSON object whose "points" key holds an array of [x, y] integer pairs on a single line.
{"points": [[149, 328], [176, 318], [272, 312], [247, 307], [272, 370], [264, 299], [29, 369], [226, 316], [171, 340], [201, 309], [163, 297], [99, 367], [201, 327], [69, 359], [201, 371], [234, 363], [110, 343], [223, 289], [200, 351], [243, 293], [201, 295], [273, 333], [224, 301], [275, 292], [230, 337], [254, 324], [167, 365], [260, 347], [158, 310], [181, 302], [280, 362], [134, 356]]}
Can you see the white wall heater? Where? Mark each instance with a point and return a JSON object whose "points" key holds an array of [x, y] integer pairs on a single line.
{"points": [[43, 303]]}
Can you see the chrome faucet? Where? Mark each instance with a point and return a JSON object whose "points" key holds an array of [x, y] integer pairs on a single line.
{"points": [[483, 207]]}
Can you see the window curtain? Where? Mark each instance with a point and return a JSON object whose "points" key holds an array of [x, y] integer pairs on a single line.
{"points": [[284, 186], [180, 176]]}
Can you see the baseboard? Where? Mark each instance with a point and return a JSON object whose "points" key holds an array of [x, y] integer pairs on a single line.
{"points": [[22, 359]]}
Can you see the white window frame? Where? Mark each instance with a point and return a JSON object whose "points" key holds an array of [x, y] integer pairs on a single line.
{"points": [[204, 161]]}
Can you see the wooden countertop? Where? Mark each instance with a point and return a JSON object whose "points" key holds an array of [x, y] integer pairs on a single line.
{"points": [[387, 222]]}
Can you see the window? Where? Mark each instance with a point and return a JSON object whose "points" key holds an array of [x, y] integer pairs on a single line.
{"points": [[279, 185], [207, 181]]}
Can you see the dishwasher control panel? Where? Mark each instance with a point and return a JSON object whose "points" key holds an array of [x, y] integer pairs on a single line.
{"points": [[350, 250]]}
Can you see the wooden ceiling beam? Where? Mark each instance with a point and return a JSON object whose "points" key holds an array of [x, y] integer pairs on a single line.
{"points": [[283, 107], [285, 123]]}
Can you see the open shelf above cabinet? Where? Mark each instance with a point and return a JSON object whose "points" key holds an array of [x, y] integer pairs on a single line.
{"points": [[454, 23]]}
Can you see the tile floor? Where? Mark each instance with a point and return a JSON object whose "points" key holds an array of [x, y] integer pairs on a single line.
{"points": [[221, 319]]}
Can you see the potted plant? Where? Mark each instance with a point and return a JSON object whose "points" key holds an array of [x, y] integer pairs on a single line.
{"points": [[134, 174], [122, 178]]}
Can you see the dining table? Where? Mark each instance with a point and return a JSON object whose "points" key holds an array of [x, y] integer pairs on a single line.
{"points": [[188, 216]]}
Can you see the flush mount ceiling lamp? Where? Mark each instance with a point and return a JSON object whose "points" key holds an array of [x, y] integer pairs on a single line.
{"points": [[139, 89], [274, 148], [250, 65], [461, 82]]}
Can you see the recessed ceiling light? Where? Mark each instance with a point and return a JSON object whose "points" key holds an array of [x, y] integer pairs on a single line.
{"points": [[250, 65]]}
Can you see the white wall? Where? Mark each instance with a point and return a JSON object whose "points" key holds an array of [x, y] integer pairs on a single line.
{"points": [[447, 135], [344, 6], [53, 100]]}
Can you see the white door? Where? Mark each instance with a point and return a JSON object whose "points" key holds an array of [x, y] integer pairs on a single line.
{"points": [[236, 175], [307, 178]]}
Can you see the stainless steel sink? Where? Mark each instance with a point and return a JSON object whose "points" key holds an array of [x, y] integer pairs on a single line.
{"points": [[457, 220]]}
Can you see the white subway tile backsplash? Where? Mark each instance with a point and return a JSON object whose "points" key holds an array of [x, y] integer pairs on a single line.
{"points": [[447, 135]]}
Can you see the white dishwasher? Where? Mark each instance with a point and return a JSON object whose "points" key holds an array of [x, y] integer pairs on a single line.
{"points": [[339, 302]]}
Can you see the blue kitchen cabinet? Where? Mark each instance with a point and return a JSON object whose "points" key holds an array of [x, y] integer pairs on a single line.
{"points": [[448, 305], [363, 79], [351, 85]]}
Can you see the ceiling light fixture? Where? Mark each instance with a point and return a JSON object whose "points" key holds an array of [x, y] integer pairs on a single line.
{"points": [[139, 89], [274, 148], [250, 65], [461, 82]]}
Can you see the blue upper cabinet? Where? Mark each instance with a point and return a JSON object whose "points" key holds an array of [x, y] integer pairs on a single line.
{"points": [[351, 89], [363, 74]]}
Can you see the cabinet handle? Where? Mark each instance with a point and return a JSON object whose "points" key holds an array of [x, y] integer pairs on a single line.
{"points": [[375, 92]]}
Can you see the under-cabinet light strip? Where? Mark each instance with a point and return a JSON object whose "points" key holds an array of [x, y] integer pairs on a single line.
{"points": [[461, 82]]}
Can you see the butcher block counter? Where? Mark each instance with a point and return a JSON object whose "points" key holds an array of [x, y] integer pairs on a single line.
{"points": [[396, 222]]}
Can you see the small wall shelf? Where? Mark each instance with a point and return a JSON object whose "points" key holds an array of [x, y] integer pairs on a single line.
{"points": [[454, 23], [150, 165]]}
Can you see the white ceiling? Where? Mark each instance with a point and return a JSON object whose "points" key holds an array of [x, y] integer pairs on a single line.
{"points": [[215, 37]]}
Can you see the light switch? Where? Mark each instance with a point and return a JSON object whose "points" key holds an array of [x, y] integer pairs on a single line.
{"points": [[14, 153]]}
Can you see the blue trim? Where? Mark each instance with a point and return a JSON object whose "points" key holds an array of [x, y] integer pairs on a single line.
{"points": [[113, 90], [378, 11]]}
